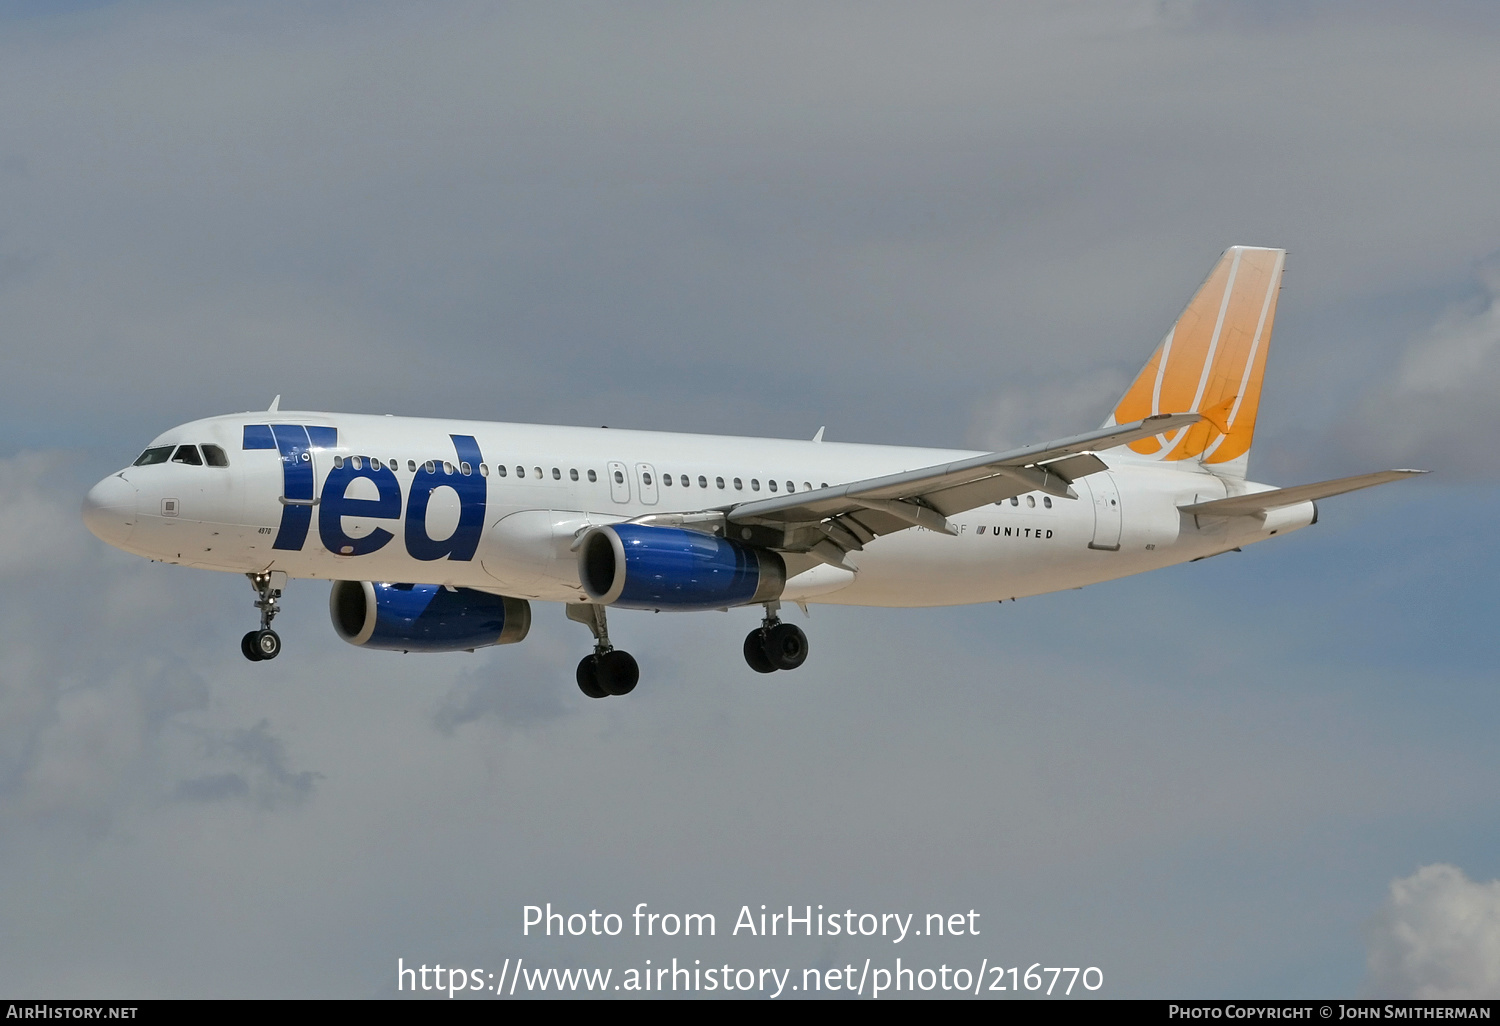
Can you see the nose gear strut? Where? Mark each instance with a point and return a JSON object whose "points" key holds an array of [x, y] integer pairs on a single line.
{"points": [[264, 643]]}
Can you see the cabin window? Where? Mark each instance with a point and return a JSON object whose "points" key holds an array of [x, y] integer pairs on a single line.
{"points": [[592, 476], [556, 474], [1031, 501], [738, 486], [646, 478], [464, 468], [755, 484], [500, 469], [447, 467], [1047, 501], [1015, 500], [520, 471], [338, 463], [807, 486], [619, 477], [666, 479], [686, 482], [430, 467], [188, 454], [825, 485], [573, 474], [160, 454], [539, 474], [484, 471], [215, 456], [411, 465], [355, 462], [791, 486], [720, 482], [772, 484], [702, 481]]}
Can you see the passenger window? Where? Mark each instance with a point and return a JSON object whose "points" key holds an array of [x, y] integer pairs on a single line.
{"points": [[666, 479], [1014, 501], [755, 484], [484, 471], [646, 478], [791, 486], [520, 471], [188, 454], [447, 467], [556, 474], [619, 477], [430, 467], [825, 484], [807, 486], [702, 481], [538, 471], [411, 465], [1031, 500], [685, 482], [215, 456], [500, 469], [151, 456], [356, 462], [720, 482], [573, 474], [592, 476], [738, 486], [338, 463], [771, 483], [464, 468], [1047, 501]]}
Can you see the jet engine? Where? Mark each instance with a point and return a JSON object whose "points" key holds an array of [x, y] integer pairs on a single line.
{"points": [[425, 617], [639, 567]]}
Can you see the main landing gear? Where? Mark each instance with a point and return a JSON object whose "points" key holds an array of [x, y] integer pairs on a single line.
{"points": [[264, 643], [608, 671], [775, 645]]}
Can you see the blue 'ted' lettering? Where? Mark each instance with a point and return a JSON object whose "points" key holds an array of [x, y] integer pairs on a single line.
{"points": [[296, 485], [336, 505], [464, 541]]}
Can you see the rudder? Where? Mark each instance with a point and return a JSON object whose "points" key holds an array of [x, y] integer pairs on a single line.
{"points": [[1212, 362]]}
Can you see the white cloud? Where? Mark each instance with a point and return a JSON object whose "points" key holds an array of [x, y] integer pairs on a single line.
{"points": [[1438, 409], [1437, 937]]}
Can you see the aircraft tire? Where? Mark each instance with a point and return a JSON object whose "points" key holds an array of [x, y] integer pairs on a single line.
{"points": [[786, 646], [588, 677], [618, 672], [755, 652], [267, 644], [247, 647]]}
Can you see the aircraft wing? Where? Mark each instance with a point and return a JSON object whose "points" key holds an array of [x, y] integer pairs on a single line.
{"points": [[1259, 503], [831, 521]]}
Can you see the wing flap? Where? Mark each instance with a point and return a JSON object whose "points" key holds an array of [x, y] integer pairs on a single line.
{"points": [[1260, 503]]}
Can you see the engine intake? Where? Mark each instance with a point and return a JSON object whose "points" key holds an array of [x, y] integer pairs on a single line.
{"points": [[639, 567], [425, 617]]}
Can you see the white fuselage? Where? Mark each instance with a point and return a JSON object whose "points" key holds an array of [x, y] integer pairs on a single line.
{"points": [[511, 530]]}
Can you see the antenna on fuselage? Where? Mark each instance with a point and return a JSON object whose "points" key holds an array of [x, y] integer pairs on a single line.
{"points": [[819, 436], [275, 404]]}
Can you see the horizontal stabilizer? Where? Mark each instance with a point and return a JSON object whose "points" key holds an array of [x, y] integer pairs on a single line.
{"points": [[1260, 503]]}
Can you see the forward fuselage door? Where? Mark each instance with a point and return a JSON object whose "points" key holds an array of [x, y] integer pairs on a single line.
{"points": [[645, 476], [619, 482], [1106, 511]]}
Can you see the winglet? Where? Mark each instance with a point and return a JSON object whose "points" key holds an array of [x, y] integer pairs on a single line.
{"points": [[819, 436], [275, 404]]}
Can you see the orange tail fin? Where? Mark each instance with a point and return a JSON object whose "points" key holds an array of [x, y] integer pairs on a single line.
{"points": [[1212, 362]]}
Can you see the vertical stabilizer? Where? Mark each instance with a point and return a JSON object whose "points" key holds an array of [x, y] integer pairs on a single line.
{"points": [[1212, 362]]}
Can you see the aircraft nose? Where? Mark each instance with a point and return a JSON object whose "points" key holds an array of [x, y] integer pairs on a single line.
{"points": [[109, 509]]}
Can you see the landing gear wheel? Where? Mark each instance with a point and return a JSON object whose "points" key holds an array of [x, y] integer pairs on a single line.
{"points": [[588, 677], [267, 644], [618, 672], [755, 652], [786, 646], [247, 646]]}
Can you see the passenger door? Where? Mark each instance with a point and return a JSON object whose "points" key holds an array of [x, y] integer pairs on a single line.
{"points": [[1107, 518], [645, 476], [619, 482]]}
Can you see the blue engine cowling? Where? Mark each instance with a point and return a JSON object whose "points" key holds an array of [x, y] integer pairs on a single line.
{"points": [[640, 567], [425, 617]]}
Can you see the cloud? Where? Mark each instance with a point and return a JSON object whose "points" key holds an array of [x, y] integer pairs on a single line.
{"points": [[1437, 410], [1437, 937]]}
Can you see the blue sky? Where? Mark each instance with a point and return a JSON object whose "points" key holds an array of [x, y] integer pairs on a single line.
{"points": [[957, 225]]}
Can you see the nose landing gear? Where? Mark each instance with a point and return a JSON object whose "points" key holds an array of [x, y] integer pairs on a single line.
{"points": [[775, 645], [264, 643], [609, 671]]}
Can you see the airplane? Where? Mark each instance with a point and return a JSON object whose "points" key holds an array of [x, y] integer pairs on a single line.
{"points": [[438, 534]]}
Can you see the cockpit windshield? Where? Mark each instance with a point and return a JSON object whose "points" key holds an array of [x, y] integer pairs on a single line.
{"points": [[157, 454], [188, 454]]}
